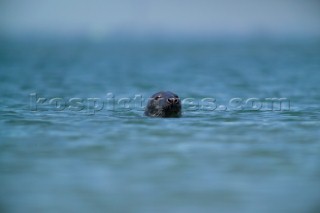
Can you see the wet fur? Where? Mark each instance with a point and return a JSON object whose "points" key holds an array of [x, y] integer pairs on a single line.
{"points": [[161, 108]]}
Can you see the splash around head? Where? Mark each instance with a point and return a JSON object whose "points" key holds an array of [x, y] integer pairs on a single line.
{"points": [[163, 104]]}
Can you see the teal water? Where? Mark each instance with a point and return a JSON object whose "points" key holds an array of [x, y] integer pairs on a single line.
{"points": [[224, 160]]}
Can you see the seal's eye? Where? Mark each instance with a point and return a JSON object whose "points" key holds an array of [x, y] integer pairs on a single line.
{"points": [[157, 98]]}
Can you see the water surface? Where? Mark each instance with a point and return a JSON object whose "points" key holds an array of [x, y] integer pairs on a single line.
{"points": [[121, 161]]}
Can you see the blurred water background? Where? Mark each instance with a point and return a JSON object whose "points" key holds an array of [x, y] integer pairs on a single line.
{"points": [[233, 160]]}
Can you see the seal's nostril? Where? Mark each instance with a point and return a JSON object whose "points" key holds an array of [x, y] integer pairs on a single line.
{"points": [[173, 100]]}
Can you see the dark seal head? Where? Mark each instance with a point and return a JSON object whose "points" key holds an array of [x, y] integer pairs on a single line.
{"points": [[163, 104]]}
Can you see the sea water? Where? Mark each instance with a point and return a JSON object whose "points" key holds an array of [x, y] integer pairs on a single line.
{"points": [[74, 137]]}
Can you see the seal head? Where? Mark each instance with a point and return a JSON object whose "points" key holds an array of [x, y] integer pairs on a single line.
{"points": [[163, 104]]}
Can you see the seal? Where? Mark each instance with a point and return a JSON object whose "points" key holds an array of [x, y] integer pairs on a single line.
{"points": [[163, 104]]}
